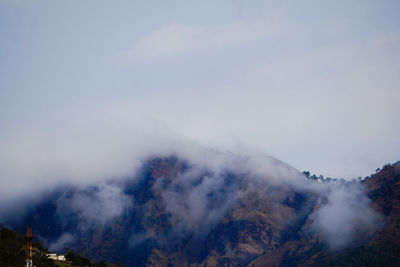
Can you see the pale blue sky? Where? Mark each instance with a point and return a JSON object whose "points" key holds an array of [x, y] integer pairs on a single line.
{"points": [[313, 83]]}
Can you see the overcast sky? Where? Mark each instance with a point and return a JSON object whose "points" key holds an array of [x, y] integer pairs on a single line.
{"points": [[315, 84]]}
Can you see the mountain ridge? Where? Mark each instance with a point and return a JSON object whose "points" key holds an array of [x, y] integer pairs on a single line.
{"points": [[176, 213]]}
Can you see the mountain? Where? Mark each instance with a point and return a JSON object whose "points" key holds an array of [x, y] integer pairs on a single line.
{"points": [[238, 211], [380, 249]]}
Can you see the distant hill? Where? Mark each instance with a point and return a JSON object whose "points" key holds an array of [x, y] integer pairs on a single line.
{"points": [[174, 212]]}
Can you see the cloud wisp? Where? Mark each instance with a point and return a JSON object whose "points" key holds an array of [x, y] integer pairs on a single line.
{"points": [[208, 187], [346, 215], [178, 38], [64, 241], [94, 207]]}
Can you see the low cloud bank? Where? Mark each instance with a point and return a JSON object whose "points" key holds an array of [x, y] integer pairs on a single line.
{"points": [[95, 206], [198, 200], [346, 214], [64, 241], [199, 197]]}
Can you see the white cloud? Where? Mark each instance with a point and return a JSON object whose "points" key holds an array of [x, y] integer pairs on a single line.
{"points": [[95, 206], [296, 90], [177, 38], [346, 215], [65, 240]]}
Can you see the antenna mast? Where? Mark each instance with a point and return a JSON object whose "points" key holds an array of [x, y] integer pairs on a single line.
{"points": [[28, 247]]}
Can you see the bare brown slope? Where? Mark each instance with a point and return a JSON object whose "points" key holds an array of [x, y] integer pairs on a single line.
{"points": [[382, 249]]}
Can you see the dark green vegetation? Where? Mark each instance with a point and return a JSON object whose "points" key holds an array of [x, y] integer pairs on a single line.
{"points": [[76, 260], [11, 248], [12, 253]]}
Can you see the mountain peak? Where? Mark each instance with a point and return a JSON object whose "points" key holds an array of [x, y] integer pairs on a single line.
{"points": [[240, 211]]}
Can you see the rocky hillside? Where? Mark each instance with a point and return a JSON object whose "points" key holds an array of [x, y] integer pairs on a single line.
{"points": [[179, 213], [382, 248]]}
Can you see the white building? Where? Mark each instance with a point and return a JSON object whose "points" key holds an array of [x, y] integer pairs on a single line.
{"points": [[55, 257]]}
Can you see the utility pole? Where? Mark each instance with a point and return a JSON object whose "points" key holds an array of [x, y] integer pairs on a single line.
{"points": [[28, 247]]}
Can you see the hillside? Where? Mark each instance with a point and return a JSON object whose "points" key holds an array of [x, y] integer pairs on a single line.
{"points": [[12, 251], [380, 249], [177, 213]]}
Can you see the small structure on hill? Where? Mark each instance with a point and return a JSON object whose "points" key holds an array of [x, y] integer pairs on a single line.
{"points": [[56, 257]]}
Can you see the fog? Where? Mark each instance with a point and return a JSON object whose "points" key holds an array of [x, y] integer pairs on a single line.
{"points": [[346, 215], [87, 97], [95, 206], [198, 198], [64, 241], [313, 84]]}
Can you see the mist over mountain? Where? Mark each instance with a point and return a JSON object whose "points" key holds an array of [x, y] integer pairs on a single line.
{"points": [[210, 209], [176, 133]]}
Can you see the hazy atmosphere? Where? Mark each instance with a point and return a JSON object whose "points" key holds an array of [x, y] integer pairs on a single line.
{"points": [[87, 88], [199, 133]]}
